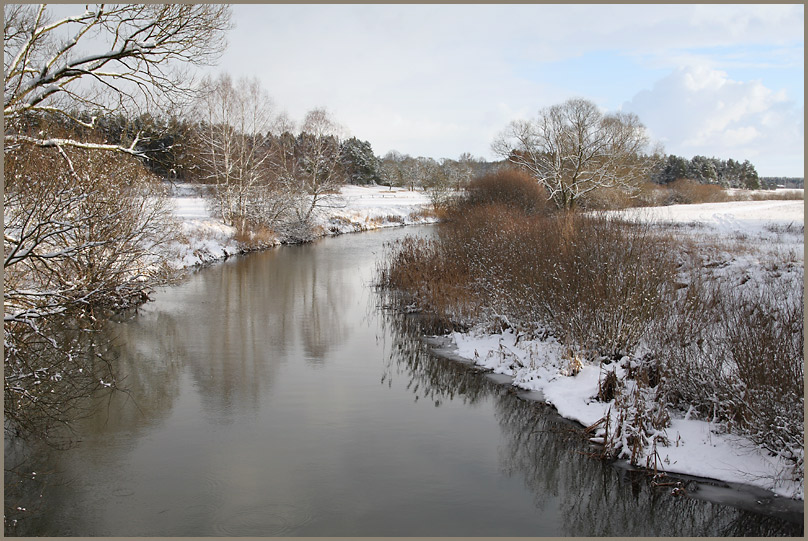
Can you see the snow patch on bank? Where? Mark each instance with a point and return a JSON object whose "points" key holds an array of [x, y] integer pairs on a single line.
{"points": [[355, 208], [696, 447]]}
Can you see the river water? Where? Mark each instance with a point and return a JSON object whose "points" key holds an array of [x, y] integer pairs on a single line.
{"points": [[270, 395]]}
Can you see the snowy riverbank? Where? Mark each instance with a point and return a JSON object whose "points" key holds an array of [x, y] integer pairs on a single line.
{"points": [[356, 208], [748, 243]]}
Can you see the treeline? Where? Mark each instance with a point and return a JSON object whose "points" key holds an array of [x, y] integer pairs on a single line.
{"points": [[166, 149], [726, 173], [771, 183]]}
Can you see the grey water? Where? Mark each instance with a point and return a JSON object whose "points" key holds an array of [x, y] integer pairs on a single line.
{"points": [[274, 394]]}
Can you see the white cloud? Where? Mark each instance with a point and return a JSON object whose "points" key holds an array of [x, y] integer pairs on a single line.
{"points": [[454, 75], [700, 110]]}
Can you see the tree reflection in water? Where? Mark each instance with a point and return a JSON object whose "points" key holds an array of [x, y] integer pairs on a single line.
{"points": [[551, 454]]}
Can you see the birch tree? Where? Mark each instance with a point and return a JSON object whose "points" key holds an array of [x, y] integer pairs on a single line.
{"points": [[319, 172], [573, 149], [237, 155]]}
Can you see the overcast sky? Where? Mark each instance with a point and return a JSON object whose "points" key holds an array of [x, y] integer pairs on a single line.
{"points": [[427, 80]]}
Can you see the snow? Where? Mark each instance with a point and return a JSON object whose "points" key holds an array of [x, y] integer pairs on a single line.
{"points": [[731, 217], [356, 208], [696, 447]]}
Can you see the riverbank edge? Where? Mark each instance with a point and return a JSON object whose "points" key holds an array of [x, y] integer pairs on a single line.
{"points": [[357, 227], [745, 496], [584, 384], [207, 240]]}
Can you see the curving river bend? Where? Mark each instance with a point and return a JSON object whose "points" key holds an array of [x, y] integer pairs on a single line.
{"points": [[269, 395]]}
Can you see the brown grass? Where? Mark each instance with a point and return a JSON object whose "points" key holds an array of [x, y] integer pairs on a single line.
{"points": [[766, 195], [736, 358], [593, 281], [603, 286], [254, 236]]}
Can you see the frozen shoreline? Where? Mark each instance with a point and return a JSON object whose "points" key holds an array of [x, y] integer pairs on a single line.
{"points": [[768, 229]]}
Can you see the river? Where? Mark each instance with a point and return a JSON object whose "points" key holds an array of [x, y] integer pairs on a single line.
{"points": [[271, 395]]}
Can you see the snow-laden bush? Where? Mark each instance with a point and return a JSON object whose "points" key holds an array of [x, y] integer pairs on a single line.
{"points": [[735, 357], [636, 424]]}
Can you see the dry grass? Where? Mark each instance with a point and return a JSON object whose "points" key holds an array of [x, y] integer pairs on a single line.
{"points": [[254, 236], [431, 282], [593, 281], [769, 195], [736, 358], [685, 191], [603, 287]]}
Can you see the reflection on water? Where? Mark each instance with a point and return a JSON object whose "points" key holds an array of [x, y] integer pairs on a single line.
{"points": [[255, 408], [550, 454]]}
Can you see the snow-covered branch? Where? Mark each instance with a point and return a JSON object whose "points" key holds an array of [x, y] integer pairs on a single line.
{"points": [[113, 56], [573, 149]]}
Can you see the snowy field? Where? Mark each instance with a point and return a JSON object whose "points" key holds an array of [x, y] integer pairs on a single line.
{"points": [[751, 239], [356, 208], [732, 218]]}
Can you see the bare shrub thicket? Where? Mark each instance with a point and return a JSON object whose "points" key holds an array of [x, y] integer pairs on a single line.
{"points": [[735, 357], [82, 230], [591, 280], [685, 191], [510, 187], [607, 288]]}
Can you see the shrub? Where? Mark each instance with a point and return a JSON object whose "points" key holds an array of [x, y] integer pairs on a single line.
{"points": [[736, 358], [651, 194], [511, 187], [684, 191], [606, 199], [594, 281], [638, 424]]}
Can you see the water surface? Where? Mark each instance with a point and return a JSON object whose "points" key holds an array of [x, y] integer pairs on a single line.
{"points": [[268, 395]]}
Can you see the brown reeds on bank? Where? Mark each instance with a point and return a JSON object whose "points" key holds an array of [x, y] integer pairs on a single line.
{"points": [[608, 288]]}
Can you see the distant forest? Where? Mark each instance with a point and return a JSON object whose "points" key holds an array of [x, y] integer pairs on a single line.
{"points": [[162, 142], [770, 183]]}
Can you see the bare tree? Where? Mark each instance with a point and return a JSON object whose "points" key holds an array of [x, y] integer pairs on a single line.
{"points": [[573, 148], [82, 227], [318, 169], [81, 231], [236, 155], [108, 58], [392, 169]]}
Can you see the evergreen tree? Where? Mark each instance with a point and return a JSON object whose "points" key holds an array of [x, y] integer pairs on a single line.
{"points": [[361, 166]]}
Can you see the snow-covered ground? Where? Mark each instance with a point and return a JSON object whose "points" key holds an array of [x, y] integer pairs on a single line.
{"points": [[734, 218], [759, 232], [356, 208]]}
